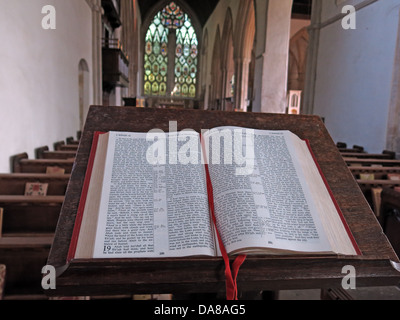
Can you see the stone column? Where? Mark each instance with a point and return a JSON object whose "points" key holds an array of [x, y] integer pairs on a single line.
{"points": [[224, 73], [273, 19], [241, 83], [97, 68], [312, 58]]}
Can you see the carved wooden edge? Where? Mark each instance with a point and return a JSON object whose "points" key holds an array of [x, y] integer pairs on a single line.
{"points": [[39, 152], [257, 273], [57, 145], [358, 148], [15, 162], [391, 154], [70, 140]]}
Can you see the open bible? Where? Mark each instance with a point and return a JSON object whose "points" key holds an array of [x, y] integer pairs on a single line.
{"points": [[147, 195]]}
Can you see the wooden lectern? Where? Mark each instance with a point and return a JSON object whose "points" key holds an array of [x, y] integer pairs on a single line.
{"points": [[377, 266]]}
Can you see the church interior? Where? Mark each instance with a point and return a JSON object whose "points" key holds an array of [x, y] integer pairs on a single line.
{"points": [[335, 59]]}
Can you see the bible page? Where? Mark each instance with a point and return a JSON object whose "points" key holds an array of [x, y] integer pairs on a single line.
{"points": [[154, 199], [260, 195]]}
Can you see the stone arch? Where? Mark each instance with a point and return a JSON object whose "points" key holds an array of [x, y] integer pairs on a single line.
{"points": [[243, 42], [227, 62], [215, 90], [298, 60], [203, 70]]}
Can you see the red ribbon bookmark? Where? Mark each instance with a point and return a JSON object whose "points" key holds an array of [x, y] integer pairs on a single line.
{"points": [[230, 274]]}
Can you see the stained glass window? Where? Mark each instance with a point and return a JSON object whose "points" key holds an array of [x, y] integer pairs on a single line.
{"points": [[172, 16], [156, 57], [186, 60]]}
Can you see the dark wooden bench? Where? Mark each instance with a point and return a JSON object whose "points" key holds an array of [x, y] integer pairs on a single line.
{"points": [[342, 146], [69, 147], [61, 145], [24, 258], [366, 185], [378, 172], [21, 164], [385, 155], [14, 183], [45, 153], [28, 214], [370, 162], [58, 155], [71, 140], [390, 217]]}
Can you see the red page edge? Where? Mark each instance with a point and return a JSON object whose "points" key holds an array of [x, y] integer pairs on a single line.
{"points": [[339, 211], [82, 202]]}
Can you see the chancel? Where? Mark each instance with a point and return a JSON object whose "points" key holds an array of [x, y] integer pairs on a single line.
{"points": [[326, 70]]}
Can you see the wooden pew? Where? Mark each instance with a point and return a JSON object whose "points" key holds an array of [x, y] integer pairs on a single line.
{"points": [[380, 173], [351, 150], [369, 162], [390, 217], [383, 156], [45, 153], [29, 222], [24, 258], [69, 147], [30, 214], [14, 183], [71, 140], [372, 186], [21, 164], [372, 190], [58, 155], [61, 145], [368, 184], [343, 148]]}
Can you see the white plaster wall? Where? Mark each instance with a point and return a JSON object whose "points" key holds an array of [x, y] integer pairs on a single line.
{"points": [[354, 74], [39, 84]]}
